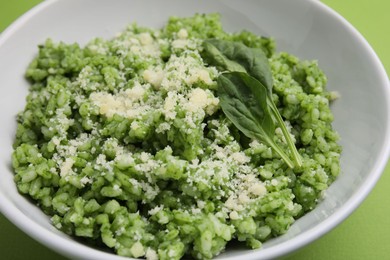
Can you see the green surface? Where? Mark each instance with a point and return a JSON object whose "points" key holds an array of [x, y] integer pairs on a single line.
{"points": [[364, 235]]}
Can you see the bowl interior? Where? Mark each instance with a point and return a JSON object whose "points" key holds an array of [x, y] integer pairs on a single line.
{"points": [[304, 28]]}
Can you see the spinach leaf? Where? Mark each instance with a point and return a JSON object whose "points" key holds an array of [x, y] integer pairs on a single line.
{"points": [[252, 60], [243, 99], [214, 56], [234, 56]]}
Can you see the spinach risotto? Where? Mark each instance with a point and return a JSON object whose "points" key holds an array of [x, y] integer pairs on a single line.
{"points": [[175, 142]]}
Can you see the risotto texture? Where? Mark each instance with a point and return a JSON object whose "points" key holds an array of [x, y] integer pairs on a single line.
{"points": [[124, 144]]}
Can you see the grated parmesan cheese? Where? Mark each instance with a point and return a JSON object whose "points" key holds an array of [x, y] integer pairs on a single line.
{"points": [[182, 33], [155, 210], [151, 254], [66, 167]]}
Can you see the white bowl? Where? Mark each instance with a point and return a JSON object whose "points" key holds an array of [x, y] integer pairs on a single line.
{"points": [[305, 28]]}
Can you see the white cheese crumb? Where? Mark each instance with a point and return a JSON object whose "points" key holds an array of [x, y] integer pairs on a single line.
{"points": [[257, 189], [66, 167], [101, 159], [134, 125], [196, 210], [171, 253], [198, 98], [145, 157], [153, 77], [56, 140], [126, 158], [230, 203], [290, 205], [163, 127], [151, 254], [120, 231], [169, 106], [234, 215], [182, 34], [155, 210], [202, 99], [126, 103], [180, 43], [240, 157], [85, 180], [201, 204], [136, 92], [243, 198], [145, 38], [97, 48], [200, 75], [185, 70]]}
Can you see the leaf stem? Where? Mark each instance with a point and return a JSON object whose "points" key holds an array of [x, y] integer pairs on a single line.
{"points": [[282, 154], [290, 143]]}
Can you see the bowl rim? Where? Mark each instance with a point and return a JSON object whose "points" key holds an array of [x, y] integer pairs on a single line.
{"points": [[75, 249]]}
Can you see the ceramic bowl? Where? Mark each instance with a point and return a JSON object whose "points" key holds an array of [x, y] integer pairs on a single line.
{"points": [[305, 28]]}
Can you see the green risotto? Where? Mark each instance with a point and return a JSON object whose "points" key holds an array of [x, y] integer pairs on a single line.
{"points": [[146, 146]]}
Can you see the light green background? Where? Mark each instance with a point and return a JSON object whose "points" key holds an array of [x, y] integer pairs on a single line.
{"points": [[364, 235]]}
